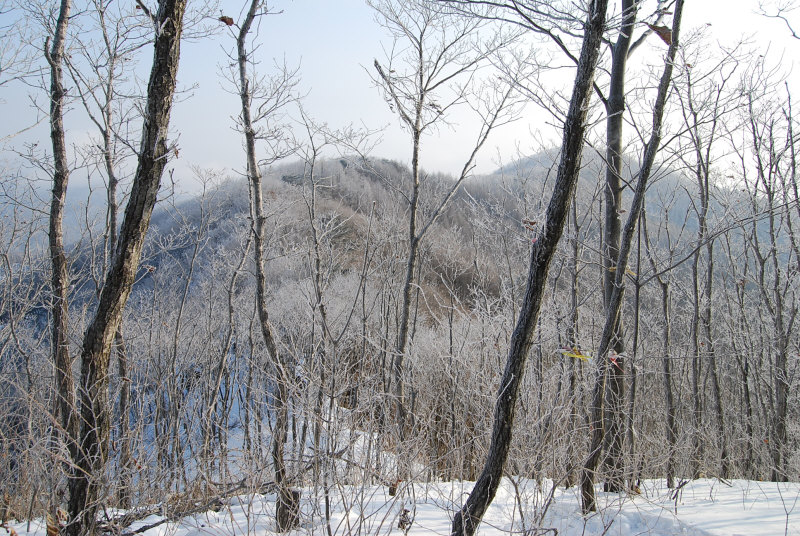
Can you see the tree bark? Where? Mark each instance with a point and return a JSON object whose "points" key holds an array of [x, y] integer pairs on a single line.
{"points": [[615, 109], [99, 337], [64, 409], [125, 470], [468, 518]]}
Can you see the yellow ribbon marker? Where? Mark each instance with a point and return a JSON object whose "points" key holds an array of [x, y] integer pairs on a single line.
{"points": [[627, 271], [574, 352]]}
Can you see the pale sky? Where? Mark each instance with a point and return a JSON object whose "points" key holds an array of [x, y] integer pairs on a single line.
{"points": [[334, 43]]}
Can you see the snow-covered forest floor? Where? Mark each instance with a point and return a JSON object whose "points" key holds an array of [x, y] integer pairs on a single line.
{"points": [[700, 507]]}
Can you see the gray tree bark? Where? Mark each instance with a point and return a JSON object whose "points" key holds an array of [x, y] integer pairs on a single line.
{"points": [[285, 520], [615, 109], [64, 409]]}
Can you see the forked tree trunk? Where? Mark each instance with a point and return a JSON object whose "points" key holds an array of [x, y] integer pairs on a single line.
{"points": [[597, 427], [469, 517]]}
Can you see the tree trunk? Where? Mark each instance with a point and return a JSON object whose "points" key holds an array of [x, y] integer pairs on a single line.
{"points": [[468, 518], [285, 508], [65, 409], [615, 304], [697, 401], [666, 361], [615, 109], [573, 337], [125, 470], [630, 427], [98, 340], [672, 433]]}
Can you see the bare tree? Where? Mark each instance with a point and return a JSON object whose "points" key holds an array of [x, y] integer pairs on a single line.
{"points": [[768, 168], [664, 281], [782, 10], [615, 111], [313, 358], [615, 303], [87, 426], [421, 84], [557, 23], [66, 410], [707, 100], [260, 124], [335, 365], [469, 516], [98, 72]]}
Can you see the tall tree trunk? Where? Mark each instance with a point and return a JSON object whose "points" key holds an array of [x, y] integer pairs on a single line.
{"points": [[573, 336], [125, 474], [708, 336], [782, 321], [65, 408], [401, 347], [666, 361], [469, 516], [771, 192], [98, 340], [780, 472], [285, 519], [604, 363], [750, 456], [671, 427], [630, 414], [697, 401], [615, 109]]}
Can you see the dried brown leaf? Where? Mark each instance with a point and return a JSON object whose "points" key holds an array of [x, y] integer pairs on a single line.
{"points": [[663, 32]]}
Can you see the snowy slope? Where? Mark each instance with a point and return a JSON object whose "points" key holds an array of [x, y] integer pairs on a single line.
{"points": [[701, 507]]}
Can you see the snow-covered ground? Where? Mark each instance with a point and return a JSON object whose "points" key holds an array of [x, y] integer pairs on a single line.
{"points": [[701, 507]]}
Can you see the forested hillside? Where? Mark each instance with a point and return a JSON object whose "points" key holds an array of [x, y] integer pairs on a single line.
{"points": [[610, 309]]}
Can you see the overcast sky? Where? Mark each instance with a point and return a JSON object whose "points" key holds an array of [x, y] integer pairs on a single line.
{"points": [[334, 43]]}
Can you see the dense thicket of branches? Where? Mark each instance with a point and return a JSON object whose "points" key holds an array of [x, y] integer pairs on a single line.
{"points": [[196, 395]]}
